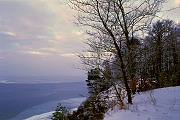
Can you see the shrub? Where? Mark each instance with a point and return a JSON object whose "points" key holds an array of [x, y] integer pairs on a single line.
{"points": [[61, 113]]}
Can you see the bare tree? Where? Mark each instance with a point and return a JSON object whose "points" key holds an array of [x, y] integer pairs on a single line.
{"points": [[113, 25]]}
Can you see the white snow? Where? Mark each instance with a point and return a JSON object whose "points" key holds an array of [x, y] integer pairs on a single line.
{"points": [[159, 104], [44, 116]]}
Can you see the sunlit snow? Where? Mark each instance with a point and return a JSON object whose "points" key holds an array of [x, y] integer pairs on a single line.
{"points": [[159, 104]]}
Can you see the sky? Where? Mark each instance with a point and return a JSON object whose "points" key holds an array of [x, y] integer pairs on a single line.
{"points": [[38, 37]]}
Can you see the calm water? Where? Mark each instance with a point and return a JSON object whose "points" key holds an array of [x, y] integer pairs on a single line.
{"points": [[18, 97]]}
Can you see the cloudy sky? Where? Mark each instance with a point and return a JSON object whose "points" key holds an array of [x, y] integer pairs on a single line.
{"points": [[37, 37]]}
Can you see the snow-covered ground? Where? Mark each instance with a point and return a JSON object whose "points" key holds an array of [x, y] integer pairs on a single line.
{"points": [[159, 104]]}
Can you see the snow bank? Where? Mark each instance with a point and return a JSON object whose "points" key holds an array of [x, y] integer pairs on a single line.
{"points": [[159, 104], [44, 116]]}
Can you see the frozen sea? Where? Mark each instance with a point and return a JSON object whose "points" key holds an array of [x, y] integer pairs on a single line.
{"points": [[21, 99]]}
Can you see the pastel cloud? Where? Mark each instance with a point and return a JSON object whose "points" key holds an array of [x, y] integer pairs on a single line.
{"points": [[36, 31], [177, 2], [9, 33], [41, 33], [37, 22]]}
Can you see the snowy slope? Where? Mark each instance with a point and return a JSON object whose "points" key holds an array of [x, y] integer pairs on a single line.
{"points": [[159, 104]]}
